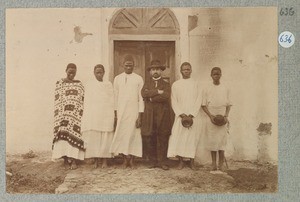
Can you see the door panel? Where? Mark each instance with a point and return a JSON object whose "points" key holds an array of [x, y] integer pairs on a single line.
{"points": [[163, 51], [136, 49], [143, 53]]}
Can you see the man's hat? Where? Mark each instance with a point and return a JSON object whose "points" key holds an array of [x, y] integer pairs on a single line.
{"points": [[156, 64]]}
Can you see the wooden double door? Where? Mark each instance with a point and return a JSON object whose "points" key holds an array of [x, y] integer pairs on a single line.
{"points": [[143, 53]]}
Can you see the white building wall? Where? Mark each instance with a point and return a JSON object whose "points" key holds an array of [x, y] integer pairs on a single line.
{"points": [[40, 43], [243, 42]]}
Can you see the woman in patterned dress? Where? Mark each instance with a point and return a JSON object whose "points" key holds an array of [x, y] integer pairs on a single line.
{"points": [[69, 96]]}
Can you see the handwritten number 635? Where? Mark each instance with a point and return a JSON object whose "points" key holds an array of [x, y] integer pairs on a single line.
{"points": [[285, 38], [287, 11]]}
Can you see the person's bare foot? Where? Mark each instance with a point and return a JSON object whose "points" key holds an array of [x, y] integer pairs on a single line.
{"points": [[124, 165], [131, 164], [180, 165], [73, 165], [164, 167], [222, 168], [214, 167], [192, 164], [66, 163], [96, 163], [104, 163], [152, 165]]}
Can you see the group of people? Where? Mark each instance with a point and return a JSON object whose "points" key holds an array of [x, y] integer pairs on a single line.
{"points": [[134, 119]]}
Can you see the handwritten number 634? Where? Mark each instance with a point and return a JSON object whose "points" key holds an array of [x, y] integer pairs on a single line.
{"points": [[287, 11], [285, 38]]}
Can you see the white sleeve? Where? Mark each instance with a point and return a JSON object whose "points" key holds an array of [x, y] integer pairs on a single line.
{"points": [[116, 92], [204, 97], [197, 105], [141, 101], [228, 94], [174, 101]]}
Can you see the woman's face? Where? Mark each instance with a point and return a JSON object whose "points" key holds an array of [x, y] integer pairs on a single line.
{"points": [[99, 73], [71, 73], [216, 75], [186, 71]]}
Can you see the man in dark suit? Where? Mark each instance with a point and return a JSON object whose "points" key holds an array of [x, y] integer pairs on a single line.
{"points": [[156, 121]]}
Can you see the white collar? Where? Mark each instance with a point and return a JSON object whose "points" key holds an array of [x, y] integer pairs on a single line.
{"points": [[128, 74], [156, 79]]}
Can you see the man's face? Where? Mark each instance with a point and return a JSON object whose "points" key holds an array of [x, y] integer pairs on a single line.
{"points": [[216, 75], [155, 72], [99, 73], [186, 71], [128, 67], [71, 72]]}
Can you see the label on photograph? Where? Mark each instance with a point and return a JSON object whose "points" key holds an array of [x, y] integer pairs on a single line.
{"points": [[286, 39]]}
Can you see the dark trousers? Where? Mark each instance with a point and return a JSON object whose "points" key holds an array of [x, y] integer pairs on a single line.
{"points": [[157, 147]]}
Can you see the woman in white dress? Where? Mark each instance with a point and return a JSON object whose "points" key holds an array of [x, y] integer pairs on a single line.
{"points": [[216, 101], [98, 117]]}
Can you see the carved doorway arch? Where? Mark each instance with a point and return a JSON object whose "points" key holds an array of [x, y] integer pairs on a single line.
{"points": [[144, 21]]}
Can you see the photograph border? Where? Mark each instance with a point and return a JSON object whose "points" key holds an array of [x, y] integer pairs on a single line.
{"points": [[289, 110]]}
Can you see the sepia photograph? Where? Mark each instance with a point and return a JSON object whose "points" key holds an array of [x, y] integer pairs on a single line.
{"points": [[154, 100]]}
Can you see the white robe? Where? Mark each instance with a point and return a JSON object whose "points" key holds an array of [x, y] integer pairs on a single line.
{"points": [[186, 99], [98, 119], [128, 103], [215, 98], [63, 148]]}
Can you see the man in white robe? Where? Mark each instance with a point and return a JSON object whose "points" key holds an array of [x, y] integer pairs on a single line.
{"points": [[98, 117], [186, 103], [129, 107]]}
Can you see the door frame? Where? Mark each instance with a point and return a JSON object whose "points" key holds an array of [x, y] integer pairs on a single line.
{"points": [[152, 37]]}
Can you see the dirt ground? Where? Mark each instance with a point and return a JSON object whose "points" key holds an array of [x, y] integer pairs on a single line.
{"points": [[36, 173]]}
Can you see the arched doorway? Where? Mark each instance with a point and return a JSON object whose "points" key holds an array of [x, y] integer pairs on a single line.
{"points": [[147, 34]]}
